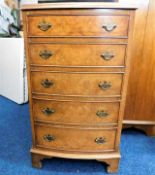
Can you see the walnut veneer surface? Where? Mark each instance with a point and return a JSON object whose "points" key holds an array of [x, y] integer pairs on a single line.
{"points": [[78, 59]]}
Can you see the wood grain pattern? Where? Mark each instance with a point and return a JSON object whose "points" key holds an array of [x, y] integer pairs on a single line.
{"points": [[125, 80], [73, 98], [146, 80], [71, 83], [78, 40], [67, 112], [141, 92], [24, 17], [67, 139], [69, 54], [136, 63], [75, 26], [84, 88]]}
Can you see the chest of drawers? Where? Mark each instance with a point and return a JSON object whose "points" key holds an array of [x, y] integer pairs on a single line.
{"points": [[78, 67]]}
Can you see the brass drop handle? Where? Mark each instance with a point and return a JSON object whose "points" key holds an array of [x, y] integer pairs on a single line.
{"points": [[104, 85], [45, 54], [49, 138], [109, 27], [102, 113], [100, 140], [47, 83], [107, 56], [44, 26], [48, 111]]}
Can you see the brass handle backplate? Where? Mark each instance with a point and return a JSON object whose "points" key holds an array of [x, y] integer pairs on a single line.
{"points": [[44, 26], [107, 56], [102, 113], [49, 138], [47, 83], [48, 111], [109, 27], [100, 140], [45, 54], [104, 85]]}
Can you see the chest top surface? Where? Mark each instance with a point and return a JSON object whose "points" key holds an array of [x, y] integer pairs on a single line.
{"points": [[80, 5]]}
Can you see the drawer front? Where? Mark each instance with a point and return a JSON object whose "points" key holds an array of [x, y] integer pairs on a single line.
{"points": [[77, 55], [97, 84], [74, 112], [87, 140], [108, 26]]}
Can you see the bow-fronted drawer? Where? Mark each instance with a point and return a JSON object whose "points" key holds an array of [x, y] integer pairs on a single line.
{"points": [[71, 25]]}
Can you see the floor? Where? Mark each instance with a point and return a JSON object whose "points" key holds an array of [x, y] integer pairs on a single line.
{"points": [[138, 150]]}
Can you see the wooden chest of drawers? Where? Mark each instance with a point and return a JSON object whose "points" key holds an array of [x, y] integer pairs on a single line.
{"points": [[78, 67]]}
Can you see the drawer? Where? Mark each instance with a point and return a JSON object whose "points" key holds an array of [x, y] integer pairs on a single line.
{"points": [[108, 25], [71, 83], [72, 139], [77, 54], [75, 112]]}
